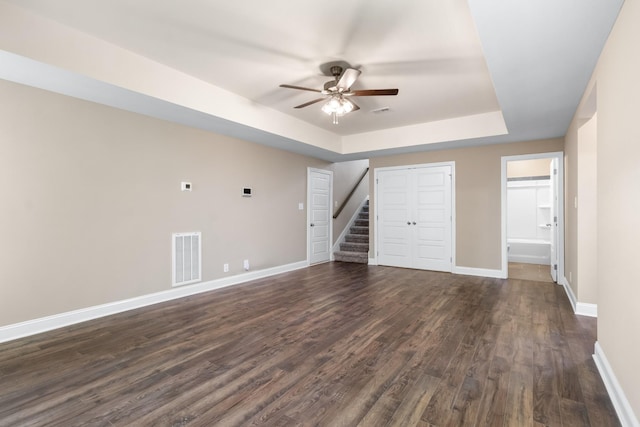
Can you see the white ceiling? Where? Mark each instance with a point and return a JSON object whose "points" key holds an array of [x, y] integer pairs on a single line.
{"points": [[529, 60]]}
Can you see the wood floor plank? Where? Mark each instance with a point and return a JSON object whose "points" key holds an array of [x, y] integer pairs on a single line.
{"points": [[494, 394], [333, 344], [545, 388], [519, 406]]}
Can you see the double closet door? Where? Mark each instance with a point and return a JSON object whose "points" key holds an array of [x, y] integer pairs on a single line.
{"points": [[414, 221]]}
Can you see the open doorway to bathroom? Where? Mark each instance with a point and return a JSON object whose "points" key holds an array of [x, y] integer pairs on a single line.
{"points": [[532, 218]]}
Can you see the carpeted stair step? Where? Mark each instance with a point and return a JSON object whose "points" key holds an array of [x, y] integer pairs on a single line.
{"points": [[359, 230], [357, 238], [354, 247], [359, 257]]}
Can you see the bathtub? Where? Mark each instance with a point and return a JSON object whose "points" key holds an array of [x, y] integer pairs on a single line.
{"points": [[530, 251]]}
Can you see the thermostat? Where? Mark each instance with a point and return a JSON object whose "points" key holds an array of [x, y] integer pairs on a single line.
{"points": [[246, 192], [185, 186]]}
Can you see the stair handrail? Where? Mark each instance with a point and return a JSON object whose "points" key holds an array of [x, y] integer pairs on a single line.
{"points": [[353, 190]]}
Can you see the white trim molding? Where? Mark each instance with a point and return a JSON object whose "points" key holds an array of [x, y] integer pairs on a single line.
{"points": [[579, 308], [567, 289], [481, 272], [618, 398], [373, 261], [586, 309], [44, 324]]}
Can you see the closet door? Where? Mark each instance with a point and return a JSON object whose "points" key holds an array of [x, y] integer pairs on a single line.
{"points": [[394, 232], [431, 220], [414, 218]]}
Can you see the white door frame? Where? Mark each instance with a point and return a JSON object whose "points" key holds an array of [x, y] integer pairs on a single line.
{"points": [[308, 222], [374, 260], [560, 212]]}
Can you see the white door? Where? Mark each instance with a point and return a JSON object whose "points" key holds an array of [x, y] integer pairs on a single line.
{"points": [[414, 218], [431, 220], [394, 213], [320, 186], [553, 235]]}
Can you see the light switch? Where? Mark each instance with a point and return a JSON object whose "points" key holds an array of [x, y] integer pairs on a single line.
{"points": [[300, 206]]}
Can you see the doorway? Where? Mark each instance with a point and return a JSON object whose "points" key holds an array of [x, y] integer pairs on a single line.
{"points": [[533, 217], [319, 213]]}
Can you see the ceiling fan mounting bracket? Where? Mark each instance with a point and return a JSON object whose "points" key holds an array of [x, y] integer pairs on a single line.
{"points": [[336, 71], [328, 68]]}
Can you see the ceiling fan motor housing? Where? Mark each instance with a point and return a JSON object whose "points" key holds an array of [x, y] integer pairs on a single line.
{"points": [[330, 86]]}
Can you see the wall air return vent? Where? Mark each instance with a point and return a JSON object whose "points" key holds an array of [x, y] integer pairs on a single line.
{"points": [[187, 257]]}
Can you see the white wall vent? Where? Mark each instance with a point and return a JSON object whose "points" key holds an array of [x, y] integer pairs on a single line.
{"points": [[187, 257]]}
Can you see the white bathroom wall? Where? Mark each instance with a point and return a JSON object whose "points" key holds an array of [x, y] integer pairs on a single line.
{"points": [[528, 210]]}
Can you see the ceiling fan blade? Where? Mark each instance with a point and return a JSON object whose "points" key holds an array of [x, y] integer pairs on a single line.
{"points": [[300, 88], [374, 92], [348, 78], [306, 104]]}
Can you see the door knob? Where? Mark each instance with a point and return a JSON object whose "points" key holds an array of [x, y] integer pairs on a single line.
{"points": [[408, 222], [414, 223], [312, 224]]}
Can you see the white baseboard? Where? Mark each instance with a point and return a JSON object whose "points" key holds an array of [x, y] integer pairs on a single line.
{"points": [[567, 289], [529, 259], [44, 324], [618, 398], [586, 309], [482, 272], [373, 261], [580, 308]]}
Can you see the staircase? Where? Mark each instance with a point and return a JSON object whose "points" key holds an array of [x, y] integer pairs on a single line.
{"points": [[355, 247]]}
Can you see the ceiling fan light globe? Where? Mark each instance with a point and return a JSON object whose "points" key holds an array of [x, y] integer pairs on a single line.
{"points": [[347, 106], [327, 108]]}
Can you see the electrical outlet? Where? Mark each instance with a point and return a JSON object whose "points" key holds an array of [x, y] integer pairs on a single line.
{"points": [[245, 264], [226, 268]]}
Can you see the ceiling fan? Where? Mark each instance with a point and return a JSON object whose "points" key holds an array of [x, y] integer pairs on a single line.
{"points": [[337, 92]]}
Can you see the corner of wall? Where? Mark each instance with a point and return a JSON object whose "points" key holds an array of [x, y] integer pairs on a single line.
{"points": [[616, 393], [579, 308]]}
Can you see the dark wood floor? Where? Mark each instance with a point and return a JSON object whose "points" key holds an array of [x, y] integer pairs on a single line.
{"points": [[334, 345]]}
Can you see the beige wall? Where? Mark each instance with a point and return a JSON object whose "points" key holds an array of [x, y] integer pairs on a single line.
{"points": [[90, 196], [587, 214], [617, 78], [478, 195], [581, 209], [527, 168], [570, 212]]}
